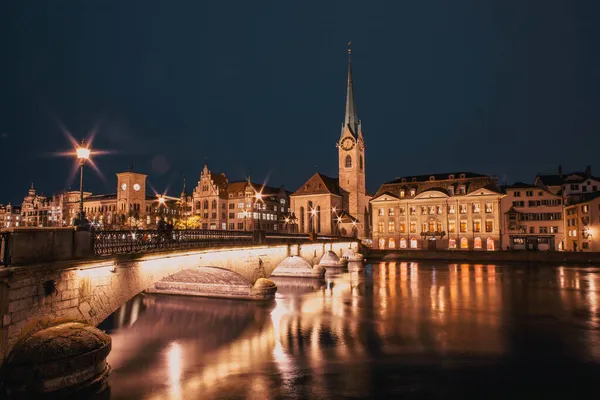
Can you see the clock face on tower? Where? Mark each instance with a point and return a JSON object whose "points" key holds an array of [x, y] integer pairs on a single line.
{"points": [[124, 186], [136, 187], [348, 143]]}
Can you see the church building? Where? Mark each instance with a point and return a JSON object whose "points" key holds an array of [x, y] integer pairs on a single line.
{"points": [[338, 206]]}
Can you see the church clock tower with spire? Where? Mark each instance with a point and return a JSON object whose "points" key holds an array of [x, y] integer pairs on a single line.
{"points": [[351, 159]]}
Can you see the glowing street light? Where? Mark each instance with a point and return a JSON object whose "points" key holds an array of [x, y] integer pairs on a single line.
{"points": [[161, 200], [83, 155]]}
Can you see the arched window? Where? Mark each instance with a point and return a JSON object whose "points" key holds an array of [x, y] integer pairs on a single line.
{"points": [[477, 243], [348, 161], [318, 219], [392, 243], [301, 219], [197, 205], [402, 243], [413, 243], [360, 162], [490, 244], [464, 243], [311, 223], [381, 243], [452, 243], [214, 204]]}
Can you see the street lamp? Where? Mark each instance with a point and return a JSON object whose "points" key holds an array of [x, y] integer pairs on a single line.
{"points": [[258, 198], [83, 154]]}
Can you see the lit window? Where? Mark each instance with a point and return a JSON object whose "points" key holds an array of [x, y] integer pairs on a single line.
{"points": [[463, 226], [391, 211], [412, 192], [402, 243], [452, 243], [463, 208], [413, 227], [477, 243], [381, 227], [423, 210], [424, 227], [490, 244], [477, 226], [451, 209], [488, 208], [391, 226], [489, 226], [451, 226], [402, 227], [464, 243], [392, 243], [413, 243], [381, 212], [476, 208], [413, 210], [402, 193]]}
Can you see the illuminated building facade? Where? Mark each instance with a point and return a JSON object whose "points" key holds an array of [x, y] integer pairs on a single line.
{"points": [[456, 211], [331, 206], [582, 223], [243, 205], [38, 210], [10, 216], [533, 218]]}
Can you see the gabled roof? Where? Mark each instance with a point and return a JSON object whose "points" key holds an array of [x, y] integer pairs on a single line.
{"points": [[385, 194], [319, 184], [521, 185]]}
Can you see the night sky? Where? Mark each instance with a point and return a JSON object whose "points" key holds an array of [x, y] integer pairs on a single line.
{"points": [[506, 87]]}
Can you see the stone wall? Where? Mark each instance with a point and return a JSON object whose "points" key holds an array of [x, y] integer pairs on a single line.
{"points": [[92, 290]]}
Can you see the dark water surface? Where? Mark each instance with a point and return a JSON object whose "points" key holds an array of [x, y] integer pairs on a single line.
{"points": [[410, 330]]}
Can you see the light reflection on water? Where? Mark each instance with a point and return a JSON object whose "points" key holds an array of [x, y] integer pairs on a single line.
{"points": [[398, 328]]}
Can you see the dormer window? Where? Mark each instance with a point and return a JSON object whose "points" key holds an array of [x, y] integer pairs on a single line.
{"points": [[451, 190], [451, 176], [462, 176], [462, 190], [403, 180], [412, 192], [414, 179], [432, 178], [402, 193]]}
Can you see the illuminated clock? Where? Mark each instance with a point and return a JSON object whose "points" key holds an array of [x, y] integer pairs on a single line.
{"points": [[124, 186], [136, 187], [348, 143]]}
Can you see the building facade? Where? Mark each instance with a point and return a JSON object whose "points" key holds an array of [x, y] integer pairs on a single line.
{"points": [[217, 203], [455, 211], [582, 223], [331, 206], [569, 185], [533, 218], [10, 216]]}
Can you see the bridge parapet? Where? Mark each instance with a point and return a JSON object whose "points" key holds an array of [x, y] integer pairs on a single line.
{"points": [[23, 246]]}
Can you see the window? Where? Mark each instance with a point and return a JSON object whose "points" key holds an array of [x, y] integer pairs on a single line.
{"points": [[402, 227], [490, 244], [231, 206], [381, 212], [413, 243], [214, 215], [451, 209], [463, 226], [452, 243], [489, 225], [439, 226], [413, 210], [463, 208], [413, 227], [585, 208], [423, 210], [489, 208], [439, 209], [348, 161], [431, 210], [391, 226], [531, 229], [360, 162], [462, 190], [231, 226], [518, 204], [240, 226], [477, 243], [464, 243], [402, 211], [240, 205], [517, 194], [380, 227], [529, 193], [451, 226], [402, 243], [477, 226], [392, 242], [431, 226], [412, 192], [451, 190], [231, 216], [543, 229], [574, 187], [554, 229], [585, 245], [402, 193], [476, 207], [391, 212], [424, 227]]}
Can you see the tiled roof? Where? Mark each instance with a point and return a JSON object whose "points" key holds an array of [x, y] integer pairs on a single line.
{"points": [[319, 184], [583, 198], [441, 182], [521, 185]]}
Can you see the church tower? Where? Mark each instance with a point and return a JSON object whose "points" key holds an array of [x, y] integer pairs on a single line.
{"points": [[351, 154]]}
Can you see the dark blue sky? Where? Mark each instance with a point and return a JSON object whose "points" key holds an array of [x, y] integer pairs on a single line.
{"points": [[506, 87]]}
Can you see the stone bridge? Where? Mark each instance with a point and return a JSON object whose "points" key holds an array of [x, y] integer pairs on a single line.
{"points": [[60, 274]]}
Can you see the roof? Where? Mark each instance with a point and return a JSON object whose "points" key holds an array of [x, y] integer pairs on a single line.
{"points": [[560, 179], [99, 197], [240, 186], [521, 185], [440, 182], [319, 184], [582, 198]]}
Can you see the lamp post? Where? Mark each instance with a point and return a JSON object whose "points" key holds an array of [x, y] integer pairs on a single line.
{"points": [[83, 154], [258, 198]]}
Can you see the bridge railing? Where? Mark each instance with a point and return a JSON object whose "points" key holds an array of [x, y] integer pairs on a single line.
{"points": [[119, 242]]}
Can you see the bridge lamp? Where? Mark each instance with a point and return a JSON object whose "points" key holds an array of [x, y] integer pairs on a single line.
{"points": [[83, 155]]}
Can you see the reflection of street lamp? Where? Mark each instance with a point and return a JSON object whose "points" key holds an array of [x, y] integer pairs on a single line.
{"points": [[83, 154]]}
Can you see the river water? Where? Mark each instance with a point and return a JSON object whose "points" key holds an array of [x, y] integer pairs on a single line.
{"points": [[397, 329]]}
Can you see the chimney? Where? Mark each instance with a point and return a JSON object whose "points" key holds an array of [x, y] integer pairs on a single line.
{"points": [[588, 171], [560, 171]]}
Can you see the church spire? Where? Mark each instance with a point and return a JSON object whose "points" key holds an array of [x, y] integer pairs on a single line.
{"points": [[351, 119]]}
